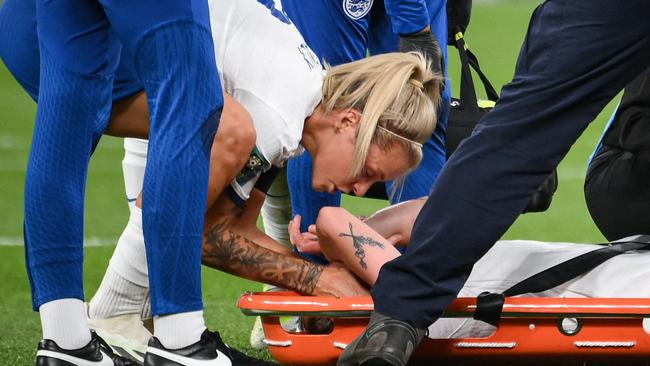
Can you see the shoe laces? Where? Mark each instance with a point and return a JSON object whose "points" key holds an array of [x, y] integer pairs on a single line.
{"points": [[108, 350]]}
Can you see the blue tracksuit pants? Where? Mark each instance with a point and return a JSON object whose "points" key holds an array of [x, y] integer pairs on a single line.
{"points": [[80, 42]]}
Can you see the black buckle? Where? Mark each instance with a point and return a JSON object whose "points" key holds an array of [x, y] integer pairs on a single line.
{"points": [[488, 307]]}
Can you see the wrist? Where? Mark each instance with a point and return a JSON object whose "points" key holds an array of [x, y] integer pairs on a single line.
{"points": [[313, 279]]}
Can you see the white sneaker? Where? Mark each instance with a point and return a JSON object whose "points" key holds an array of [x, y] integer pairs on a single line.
{"points": [[124, 333]]}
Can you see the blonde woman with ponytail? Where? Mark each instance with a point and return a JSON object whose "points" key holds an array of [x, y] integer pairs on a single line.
{"points": [[373, 118], [369, 125]]}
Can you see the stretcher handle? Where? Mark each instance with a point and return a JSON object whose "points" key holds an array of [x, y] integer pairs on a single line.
{"points": [[290, 303]]}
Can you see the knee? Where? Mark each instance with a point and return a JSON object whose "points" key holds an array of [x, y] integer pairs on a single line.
{"points": [[328, 218], [237, 125], [236, 134]]}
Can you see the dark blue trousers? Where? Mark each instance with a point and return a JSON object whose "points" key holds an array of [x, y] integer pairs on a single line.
{"points": [[576, 57], [79, 44], [19, 51]]}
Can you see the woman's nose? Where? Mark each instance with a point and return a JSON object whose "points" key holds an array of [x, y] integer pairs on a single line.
{"points": [[361, 188]]}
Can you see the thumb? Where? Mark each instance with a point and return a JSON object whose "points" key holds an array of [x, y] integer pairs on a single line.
{"points": [[394, 239]]}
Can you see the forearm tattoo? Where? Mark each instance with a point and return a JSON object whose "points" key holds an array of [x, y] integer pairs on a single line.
{"points": [[358, 241], [224, 250]]}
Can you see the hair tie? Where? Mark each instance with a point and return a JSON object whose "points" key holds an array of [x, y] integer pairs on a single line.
{"points": [[400, 136], [416, 83]]}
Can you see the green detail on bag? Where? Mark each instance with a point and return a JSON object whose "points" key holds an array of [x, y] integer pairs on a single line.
{"points": [[486, 103]]}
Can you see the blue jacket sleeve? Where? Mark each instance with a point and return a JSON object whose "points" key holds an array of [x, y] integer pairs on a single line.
{"points": [[407, 16]]}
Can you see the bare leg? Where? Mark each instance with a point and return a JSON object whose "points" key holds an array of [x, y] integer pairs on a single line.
{"points": [[345, 238]]}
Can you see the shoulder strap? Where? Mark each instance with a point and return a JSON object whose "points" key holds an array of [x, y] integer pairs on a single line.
{"points": [[489, 89], [489, 305], [469, 61]]}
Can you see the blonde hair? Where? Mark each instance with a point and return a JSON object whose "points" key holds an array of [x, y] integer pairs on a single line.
{"points": [[397, 95]]}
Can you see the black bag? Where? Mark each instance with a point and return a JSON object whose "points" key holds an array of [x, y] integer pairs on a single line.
{"points": [[466, 112]]}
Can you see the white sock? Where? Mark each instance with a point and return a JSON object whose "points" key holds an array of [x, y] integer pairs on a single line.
{"points": [[130, 257], [133, 165], [276, 210], [116, 296], [179, 330], [145, 313], [64, 322], [125, 285]]}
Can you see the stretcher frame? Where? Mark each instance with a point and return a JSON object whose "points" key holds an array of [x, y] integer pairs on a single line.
{"points": [[609, 331]]}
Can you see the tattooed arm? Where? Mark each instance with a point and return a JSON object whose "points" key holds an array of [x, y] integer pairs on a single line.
{"points": [[227, 246], [345, 238]]}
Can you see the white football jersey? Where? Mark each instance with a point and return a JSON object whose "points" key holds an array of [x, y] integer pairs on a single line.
{"points": [[265, 64]]}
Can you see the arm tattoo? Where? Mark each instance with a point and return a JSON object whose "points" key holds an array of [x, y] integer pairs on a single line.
{"points": [[358, 241], [227, 251]]}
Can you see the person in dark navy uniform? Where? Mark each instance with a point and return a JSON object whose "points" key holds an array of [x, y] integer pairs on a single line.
{"points": [[617, 186], [577, 55]]}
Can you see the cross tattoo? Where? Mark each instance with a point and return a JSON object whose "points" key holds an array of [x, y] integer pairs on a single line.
{"points": [[358, 241]]}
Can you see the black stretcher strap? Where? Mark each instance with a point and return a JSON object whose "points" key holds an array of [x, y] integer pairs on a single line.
{"points": [[489, 305]]}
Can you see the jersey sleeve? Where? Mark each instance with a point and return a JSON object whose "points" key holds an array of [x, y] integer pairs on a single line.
{"points": [[277, 140], [408, 16]]}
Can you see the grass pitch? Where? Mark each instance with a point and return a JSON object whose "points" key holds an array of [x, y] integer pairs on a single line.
{"points": [[496, 32]]}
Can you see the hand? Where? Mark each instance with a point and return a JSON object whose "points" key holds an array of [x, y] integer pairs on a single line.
{"points": [[337, 281], [305, 242]]}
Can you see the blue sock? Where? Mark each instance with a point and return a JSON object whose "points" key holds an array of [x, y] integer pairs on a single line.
{"points": [[420, 181], [304, 200], [176, 63]]}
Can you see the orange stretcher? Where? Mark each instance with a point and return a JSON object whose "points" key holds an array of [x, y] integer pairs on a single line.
{"points": [[531, 331]]}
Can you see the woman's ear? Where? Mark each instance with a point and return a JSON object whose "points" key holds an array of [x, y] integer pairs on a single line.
{"points": [[348, 118]]}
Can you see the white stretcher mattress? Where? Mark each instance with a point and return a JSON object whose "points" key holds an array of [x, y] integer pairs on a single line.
{"points": [[511, 261]]}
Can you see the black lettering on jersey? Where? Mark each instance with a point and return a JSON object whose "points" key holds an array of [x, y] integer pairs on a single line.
{"points": [[309, 56]]}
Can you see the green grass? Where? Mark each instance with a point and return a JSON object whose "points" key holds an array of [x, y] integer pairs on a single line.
{"points": [[495, 35]]}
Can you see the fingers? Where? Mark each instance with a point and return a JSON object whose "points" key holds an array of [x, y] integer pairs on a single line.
{"points": [[295, 237], [310, 247], [305, 242]]}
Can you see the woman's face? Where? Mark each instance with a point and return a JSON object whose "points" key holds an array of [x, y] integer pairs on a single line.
{"points": [[333, 163]]}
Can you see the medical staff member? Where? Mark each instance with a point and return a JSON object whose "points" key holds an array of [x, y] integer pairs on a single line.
{"points": [[617, 185], [576, 57]]}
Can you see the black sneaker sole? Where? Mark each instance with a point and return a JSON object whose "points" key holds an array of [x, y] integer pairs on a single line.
{"points": [[377, 360], [374, 361]]}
